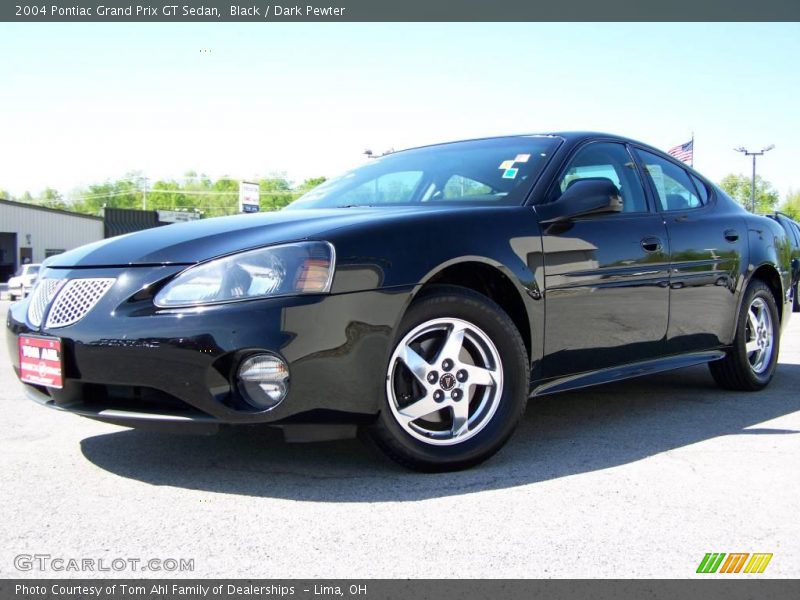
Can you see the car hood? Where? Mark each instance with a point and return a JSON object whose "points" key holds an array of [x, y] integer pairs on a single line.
{"points": [[193, 242]]}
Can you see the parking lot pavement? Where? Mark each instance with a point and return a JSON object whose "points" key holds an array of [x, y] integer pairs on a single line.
{"points": [[636, 479]]}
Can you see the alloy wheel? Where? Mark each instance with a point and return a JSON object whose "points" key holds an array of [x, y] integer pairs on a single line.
{"points": [[760, 334], [444, 381]]}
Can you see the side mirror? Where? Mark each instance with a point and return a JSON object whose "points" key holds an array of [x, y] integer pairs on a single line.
{"points": [[593, 195]]}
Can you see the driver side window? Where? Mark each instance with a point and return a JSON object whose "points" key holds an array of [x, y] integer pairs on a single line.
{"points": [[608, 161]]}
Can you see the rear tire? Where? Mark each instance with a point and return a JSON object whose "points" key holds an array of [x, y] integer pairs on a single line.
{"points": [[750, 363], [456, 382]]}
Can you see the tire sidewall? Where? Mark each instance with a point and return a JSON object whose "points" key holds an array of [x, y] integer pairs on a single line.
{"points": [[758, 290], [490, 318]]}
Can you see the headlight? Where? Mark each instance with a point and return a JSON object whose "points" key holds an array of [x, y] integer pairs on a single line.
{"points": [[299, 268]]}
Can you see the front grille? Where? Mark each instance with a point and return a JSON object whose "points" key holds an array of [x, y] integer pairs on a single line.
{"points": [[76, 298], [43, 293]]}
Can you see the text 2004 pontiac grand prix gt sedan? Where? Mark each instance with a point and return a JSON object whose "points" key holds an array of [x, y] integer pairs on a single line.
{"points": [[422, 298]]}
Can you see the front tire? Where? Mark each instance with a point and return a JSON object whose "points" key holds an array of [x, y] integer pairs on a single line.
{"points": [[456, 382], [750, 363]]}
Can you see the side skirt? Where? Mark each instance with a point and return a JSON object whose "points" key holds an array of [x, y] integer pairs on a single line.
{"points": [[637, 369]]}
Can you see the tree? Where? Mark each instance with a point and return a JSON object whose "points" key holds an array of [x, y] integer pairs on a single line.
{"points": [[123, 193], [276, 192], [791, 206], [51, 198], [739, 188], [166, 195], [195, 191], [310, 184]]}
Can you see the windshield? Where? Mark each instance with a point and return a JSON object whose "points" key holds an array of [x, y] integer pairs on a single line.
{"points": [[480, 172]]}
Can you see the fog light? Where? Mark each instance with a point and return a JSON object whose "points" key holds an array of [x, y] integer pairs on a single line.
{"points": [[264, 380]]}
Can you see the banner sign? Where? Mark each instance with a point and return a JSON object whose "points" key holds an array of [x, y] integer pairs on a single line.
{"points": [[249, 196], [177, 216]]}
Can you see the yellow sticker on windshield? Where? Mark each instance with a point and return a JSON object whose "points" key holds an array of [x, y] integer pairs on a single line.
{"points": [[506, 164]]}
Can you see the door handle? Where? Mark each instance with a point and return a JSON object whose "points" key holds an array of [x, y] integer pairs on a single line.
{"points": [[731, 235], [651, 244]]}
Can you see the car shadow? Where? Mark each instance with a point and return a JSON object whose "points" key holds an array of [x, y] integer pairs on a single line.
{"points": [[561, 435]]}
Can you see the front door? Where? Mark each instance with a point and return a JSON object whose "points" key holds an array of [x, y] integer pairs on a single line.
{"points": [[606, 276]]}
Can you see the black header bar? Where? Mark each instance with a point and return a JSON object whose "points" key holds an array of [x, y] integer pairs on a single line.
{"points": [[265, 11]]}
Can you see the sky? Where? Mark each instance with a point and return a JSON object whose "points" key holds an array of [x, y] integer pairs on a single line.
{"points": [[83, 103]]}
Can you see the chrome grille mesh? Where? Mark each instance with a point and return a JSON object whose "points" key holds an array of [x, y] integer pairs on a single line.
{"points": [[43, 293], [76, 298]]}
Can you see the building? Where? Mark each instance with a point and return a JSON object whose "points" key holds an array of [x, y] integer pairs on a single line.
{"points": [[119, 221], [29, 234]]}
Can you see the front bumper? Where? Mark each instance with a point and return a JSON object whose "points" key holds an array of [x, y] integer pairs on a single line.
{"points": [[131, 363]]}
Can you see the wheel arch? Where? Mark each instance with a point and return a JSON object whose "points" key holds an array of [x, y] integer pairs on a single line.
{"points": [[489, 279], [734, 371], [769, 274], [768, 259]]}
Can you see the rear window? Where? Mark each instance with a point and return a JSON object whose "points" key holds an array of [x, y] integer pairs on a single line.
{"points": [[702, 190], [675, 188]]}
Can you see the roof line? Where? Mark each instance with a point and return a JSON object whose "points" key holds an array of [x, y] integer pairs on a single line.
{"points": [[48, 209]]}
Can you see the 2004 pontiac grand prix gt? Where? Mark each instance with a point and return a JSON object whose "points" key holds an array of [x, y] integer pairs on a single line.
{"points": [[421, 299]]}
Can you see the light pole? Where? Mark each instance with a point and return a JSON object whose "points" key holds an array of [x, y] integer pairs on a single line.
{"points": [[144, 193], [744, 151]]}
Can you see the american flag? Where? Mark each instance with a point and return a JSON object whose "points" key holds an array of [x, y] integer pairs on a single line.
{"points": [[683, 152]]}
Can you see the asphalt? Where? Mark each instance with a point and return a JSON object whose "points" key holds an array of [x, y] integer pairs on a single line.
{"points": [[635, 479]]}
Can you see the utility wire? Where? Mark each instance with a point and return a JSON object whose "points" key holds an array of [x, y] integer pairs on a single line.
{"points": [[152, 191]]}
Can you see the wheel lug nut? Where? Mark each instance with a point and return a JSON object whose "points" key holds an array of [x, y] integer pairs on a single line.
{"points": [[433, 377], [461, 375], [438, 395], [447, 364], [456, 395]]}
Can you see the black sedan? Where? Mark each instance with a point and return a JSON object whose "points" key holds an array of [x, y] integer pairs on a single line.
{"points": [[421, 299]]}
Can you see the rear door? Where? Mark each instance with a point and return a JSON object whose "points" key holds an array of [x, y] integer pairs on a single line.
{"points": [[707, 246], [606, 275]]}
